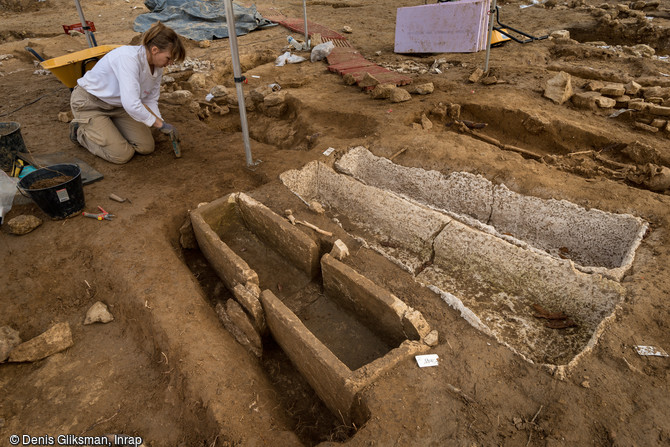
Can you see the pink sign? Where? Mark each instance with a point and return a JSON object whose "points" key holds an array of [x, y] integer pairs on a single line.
{"points": [[452, 27]]}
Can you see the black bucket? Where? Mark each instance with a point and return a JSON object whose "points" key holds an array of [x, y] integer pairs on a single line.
{"points": [[11, 143], [58, 201]]}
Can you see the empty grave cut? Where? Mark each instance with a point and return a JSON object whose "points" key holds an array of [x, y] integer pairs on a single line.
{"points": [[339, 329], [439, 228]]}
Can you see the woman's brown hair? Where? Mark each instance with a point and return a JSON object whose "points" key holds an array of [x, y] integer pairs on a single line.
{"points": [[164, 38]]}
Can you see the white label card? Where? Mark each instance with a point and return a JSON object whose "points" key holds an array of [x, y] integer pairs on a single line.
{"points": [[426, 360], [62, 195]]}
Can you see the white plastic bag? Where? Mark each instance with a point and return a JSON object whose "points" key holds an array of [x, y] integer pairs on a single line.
{"points": [[321, 51], [288, 58], [281, 60], [7, 193], [295, 59]]}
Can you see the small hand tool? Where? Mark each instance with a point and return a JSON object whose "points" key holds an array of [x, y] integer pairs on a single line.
{"points": [[175, 140], [103, 215]]}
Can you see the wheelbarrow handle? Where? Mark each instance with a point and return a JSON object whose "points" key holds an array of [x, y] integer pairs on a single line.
{"points": [[35, 53]]}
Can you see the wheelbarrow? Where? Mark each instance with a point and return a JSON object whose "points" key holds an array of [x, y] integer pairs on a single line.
{"points": [[73, 66]]}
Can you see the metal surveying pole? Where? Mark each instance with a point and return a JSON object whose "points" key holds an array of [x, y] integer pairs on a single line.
{"points": [[304, 11], [488, 43], [237, 73], [89, 36]]}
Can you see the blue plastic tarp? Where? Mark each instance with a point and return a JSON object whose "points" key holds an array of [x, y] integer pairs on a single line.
{"points": [[199, 19]]}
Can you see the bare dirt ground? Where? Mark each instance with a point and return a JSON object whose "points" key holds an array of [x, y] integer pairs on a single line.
{"points": [[166, 370]]}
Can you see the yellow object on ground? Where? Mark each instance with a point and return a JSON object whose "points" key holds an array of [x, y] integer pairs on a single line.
{"points": [[498, 38], [72, 66]]}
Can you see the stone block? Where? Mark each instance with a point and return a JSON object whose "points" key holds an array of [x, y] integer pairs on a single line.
{"points": [[349, 79], [228, 265], [383, 91], [373, 305], [198, 81], [251, 303], [647, 127], [373, 209], [586, 100], [230, 323], [178, 97], [98, 313], [399, 95], [594, 86], [613, 90], [622, 101], [559, 88], [476, 75], [659, 110], [560, 34], [639, 105], [368, 81], [425, 89], [605, 103], [414, 325], [258, 95], [327, 375], [275, 98], [187, 236], [23, 224], [426, 124], [632, 88], [340, 250], [240, 319], [656, 92], [276, 111], [65, 117], [283, 237], [219, 91], [431, 339], [56, 339]]}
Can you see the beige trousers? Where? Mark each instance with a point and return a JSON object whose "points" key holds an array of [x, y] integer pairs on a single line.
{"points": [[108, 131]]}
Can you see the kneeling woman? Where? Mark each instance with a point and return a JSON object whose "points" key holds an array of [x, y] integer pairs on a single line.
{"points": [[115, 104]]}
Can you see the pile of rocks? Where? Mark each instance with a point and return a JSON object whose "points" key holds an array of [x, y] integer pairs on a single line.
{"points": [[56, 339], [647, 107], [407, 66], [195, 65]]}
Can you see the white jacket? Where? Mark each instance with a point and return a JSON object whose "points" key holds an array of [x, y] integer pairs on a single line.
{"points": [[122, 78]]}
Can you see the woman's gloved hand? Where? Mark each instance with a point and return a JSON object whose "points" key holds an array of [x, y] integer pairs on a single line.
{"points": [[170, 130]]}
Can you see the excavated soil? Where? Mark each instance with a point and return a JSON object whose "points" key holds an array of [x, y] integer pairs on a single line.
{"points": [[165, 369]]}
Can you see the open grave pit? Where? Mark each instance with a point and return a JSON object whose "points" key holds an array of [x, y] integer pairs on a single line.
{"points": [[339, 329], [541, 276]]}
